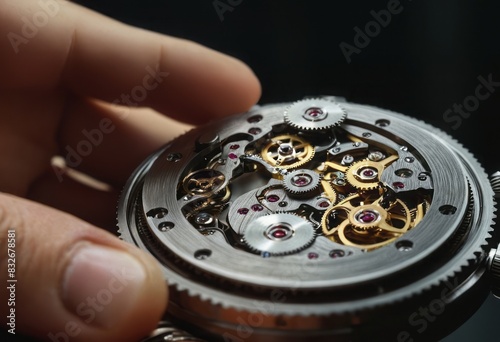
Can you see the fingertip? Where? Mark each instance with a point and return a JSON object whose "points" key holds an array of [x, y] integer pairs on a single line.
{"points": [[79, 283], [250, 89], [118, 293], [202, 83]]}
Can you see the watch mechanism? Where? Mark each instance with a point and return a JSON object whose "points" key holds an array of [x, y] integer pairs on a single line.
{"points": [[316, 219]]}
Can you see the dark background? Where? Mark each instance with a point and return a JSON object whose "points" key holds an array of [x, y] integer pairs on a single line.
{"points": [[426, 59]]}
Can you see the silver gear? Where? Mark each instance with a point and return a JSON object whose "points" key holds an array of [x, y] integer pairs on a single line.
{"points": [[279, 234], [302, 181], [314, 114]]}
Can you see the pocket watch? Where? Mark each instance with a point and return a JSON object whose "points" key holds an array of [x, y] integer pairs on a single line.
{"points": [[318, 219]]}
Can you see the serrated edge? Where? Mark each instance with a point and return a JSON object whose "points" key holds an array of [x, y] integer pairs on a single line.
{"points": [[289, 122]]}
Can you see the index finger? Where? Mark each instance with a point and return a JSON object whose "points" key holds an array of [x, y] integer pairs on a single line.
{"points": [[52, 43]]}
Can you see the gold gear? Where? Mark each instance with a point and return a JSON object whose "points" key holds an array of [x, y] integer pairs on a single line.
{"points": [[287, 152], [382, 217], [365, 174], [204, 182], [356, 177], [363, 223], [373, 215], [342, 209]]}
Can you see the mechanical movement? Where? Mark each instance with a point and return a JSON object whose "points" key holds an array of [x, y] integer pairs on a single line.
{"points": [[314, 219]]}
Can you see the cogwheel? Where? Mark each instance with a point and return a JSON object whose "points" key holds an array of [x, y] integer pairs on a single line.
{"points": [[314, 114], [204, 182], [365, 174], [301, 182], [367, 217], [495, 184], [279, 234], [374, 216], [287, 152]]}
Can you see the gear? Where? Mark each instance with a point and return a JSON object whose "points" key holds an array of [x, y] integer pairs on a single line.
{"points": [[334, 216], [367, 217], [495, 184], [314, 114], [365, 174], [287, 152], [279, 234], [205, 182], [301, 182], [363, 223]]}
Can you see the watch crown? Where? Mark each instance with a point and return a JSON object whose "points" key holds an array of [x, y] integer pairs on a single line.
{"points": [[495, 184], [495, 271]]}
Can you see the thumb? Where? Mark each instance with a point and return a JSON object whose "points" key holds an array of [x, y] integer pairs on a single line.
{"points": [[66, 280]]}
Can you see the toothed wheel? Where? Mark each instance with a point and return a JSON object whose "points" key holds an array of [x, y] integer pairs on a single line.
{"points": [[278, 234], [204, 182], [301, 182], [365, 174], [495, 183], [314, 114], [287, 152], [364, 223]]}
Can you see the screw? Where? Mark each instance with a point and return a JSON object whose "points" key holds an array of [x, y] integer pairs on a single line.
{"points": [[204, 218], [348, 159]]}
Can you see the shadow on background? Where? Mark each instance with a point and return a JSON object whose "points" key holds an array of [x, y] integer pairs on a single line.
{"points": [[426, 62]]}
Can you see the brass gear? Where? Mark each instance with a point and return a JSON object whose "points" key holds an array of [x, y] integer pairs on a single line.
{"points": [[365, 174], [367, 217], [204, 182], [363, 223], [287, 152]]}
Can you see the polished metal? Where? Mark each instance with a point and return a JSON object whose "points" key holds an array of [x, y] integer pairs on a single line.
{"points": [[318, 219]]}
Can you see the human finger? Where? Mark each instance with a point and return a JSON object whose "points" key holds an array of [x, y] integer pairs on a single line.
{"points": [[73, 281], [99, 57], [108, 142]]}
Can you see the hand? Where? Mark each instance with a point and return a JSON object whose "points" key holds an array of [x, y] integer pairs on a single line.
{"points": [[75, 84]]}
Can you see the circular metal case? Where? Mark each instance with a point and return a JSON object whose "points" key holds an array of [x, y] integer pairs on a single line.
{"points": [[270, 229]]}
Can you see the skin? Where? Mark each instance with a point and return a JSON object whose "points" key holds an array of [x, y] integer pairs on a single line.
{"points": [[62, 81]]}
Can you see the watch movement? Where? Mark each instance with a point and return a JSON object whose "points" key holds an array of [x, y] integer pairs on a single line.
{"points": [[318, 220]]}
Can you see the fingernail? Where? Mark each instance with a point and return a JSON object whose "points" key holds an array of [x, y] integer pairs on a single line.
{"points": [[101, 284]]}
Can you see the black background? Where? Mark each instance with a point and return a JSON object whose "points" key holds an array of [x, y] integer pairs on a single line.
{"points": [[427, 58]]}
